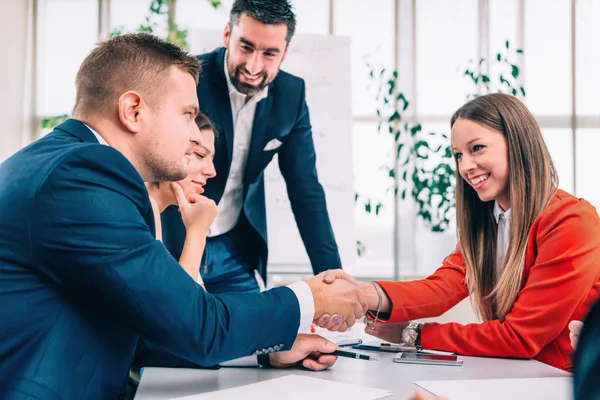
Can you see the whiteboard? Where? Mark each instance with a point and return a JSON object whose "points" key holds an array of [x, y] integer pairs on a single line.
{"points": [[324, 63]]}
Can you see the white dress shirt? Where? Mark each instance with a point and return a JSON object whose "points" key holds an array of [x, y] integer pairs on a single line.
{"points": [[300, 289], [242, 110], [503, 220]]}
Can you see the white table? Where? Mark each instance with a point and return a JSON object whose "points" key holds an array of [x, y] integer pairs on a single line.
{"points": [[166, 383]]}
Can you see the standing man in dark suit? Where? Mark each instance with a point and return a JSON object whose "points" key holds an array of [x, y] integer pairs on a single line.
{"points": [[82, 278], [259, 111]]}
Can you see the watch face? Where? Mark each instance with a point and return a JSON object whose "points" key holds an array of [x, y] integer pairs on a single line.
{"points": [[409, 336]]}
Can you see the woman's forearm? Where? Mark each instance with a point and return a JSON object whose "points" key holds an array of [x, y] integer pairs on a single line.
{"points": [[191, 255], [370, 292]]}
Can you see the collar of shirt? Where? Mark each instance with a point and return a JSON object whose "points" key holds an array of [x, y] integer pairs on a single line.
{"points": [[499, 211], [99, 138], [234, 93]]}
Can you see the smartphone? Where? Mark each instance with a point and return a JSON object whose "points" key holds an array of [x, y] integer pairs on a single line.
{"points": [[385, 347], [423, 358]]}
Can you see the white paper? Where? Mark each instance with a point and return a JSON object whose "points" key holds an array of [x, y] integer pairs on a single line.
{"points": [[502, 389], [294, 387], [338, 337]]}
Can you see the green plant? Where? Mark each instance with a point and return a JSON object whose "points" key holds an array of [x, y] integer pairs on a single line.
{"points": [[506, 69], [423, 168], [424, 160], [159, 11]]}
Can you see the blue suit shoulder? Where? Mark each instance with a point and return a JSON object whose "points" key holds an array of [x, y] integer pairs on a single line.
{"points": [[108, 168]]}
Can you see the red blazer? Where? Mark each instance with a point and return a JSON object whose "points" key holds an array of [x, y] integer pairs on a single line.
{"points": [[561, 280]]}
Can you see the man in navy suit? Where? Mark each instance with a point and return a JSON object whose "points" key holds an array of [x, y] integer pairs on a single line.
{"points": [[259, 112], [84, 283], [586, 360]]}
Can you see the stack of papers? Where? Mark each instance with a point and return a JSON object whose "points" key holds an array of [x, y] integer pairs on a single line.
{"points": [[294, 387]]}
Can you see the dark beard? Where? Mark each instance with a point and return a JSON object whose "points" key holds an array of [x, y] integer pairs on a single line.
{"points": [[244, 87]]}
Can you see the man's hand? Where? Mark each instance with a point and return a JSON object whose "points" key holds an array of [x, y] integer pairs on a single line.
{"points": [[310, 351], [197, 212], [340, 297], [574, 331]]}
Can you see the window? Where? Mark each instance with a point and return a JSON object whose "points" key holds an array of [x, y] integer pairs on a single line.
{"points": [[435, 41], [370, 25], [560, 145], [547, 68], [441, 51], [588, 143], [58, 63], [200, 14], [372, 157], [588, 58]]}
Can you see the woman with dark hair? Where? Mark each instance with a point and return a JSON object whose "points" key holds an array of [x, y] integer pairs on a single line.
{"points": [[527, 255], [164, 194]]}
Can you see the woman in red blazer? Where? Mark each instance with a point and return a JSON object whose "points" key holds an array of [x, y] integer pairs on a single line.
{"points": [[528, 254]]}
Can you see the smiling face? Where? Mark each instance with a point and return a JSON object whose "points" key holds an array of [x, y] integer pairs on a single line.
{"points": [[201, 166], [255, 52], [482, 158]]}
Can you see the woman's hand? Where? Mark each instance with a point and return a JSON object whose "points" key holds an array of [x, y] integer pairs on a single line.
{"points": [[197, 212], [387, 332]]}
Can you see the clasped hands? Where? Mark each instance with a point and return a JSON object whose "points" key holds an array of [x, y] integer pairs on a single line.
{"points": [[339, 299]]}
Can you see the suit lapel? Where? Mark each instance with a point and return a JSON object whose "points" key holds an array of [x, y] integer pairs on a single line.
{"points": [[259, 132], [223, 103]]}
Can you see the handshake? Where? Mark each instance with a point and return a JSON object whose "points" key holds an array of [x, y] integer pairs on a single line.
{"points": [[339, 299]]}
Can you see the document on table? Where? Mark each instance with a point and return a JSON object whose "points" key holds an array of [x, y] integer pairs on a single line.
{"points": [[340, 338], [294, 387], [502, 389]]}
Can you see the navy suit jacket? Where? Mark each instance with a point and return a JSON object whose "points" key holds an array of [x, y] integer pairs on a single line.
{"points": [[586, 361], [82, 279], [282, 115]]}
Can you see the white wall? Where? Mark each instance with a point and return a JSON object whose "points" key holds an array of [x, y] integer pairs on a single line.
{"points": [[13, 38]]}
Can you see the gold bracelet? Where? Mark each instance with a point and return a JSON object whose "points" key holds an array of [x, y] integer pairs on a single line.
{"points": [[379, 300]]}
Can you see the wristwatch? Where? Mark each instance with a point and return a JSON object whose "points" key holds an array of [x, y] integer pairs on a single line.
{"points": [[411, 334]]}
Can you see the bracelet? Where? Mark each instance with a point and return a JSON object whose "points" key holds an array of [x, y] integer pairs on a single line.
{"points": [[379, 300]]}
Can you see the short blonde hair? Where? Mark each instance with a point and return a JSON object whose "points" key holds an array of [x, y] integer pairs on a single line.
{"points": [[137, 61]]}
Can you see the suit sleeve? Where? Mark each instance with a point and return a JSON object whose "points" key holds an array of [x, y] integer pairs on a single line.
{"points": [[89, 233], [586, 361], [429, 297], [297, 162], [559, 281]]}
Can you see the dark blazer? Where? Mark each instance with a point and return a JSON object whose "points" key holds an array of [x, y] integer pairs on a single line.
{"points": [[586, 362], [82, 279], [282, 115]]}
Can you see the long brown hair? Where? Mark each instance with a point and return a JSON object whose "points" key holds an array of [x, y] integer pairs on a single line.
{"points": [[532, 181]]}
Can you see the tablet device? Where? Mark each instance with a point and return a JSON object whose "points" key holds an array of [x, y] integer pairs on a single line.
{"points": [[431, 359]]}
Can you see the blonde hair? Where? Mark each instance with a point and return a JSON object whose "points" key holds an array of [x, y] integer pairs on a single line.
{"points": [[135, 61], [532, 181]]}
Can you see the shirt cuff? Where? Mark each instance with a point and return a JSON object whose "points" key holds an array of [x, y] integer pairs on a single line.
{"points": [[250, 361], [306, 303]]}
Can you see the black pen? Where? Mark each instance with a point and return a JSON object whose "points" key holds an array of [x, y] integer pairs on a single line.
{"points": [[358, 356]]}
